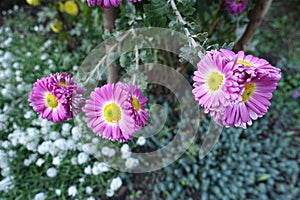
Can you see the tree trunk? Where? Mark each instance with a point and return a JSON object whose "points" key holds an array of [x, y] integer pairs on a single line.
{"points": [[256, 17], [109, 17]]}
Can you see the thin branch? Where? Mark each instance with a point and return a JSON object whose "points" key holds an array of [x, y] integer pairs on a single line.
{"points": [[256, 17], [181, 20]]}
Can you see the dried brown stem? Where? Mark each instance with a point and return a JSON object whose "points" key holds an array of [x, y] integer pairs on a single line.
{"points": [[256, 17], [109, 17]]}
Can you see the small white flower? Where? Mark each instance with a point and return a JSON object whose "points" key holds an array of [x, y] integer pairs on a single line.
{"points": [[88, 190], [125, 148], [81, 180], [32, 146], [108, 151], [89, 148], [61, 143], [51, 172], [95, 140], [56, 161], [54, 135], [82, 158], [6, 184], [110, 193], [40, 196], [37, 67], [71, 144], [72, 191], [26, 162], [90, 198], [76, 133], [126, 152], [39, 162], [88, 170], [116, 183], [44, 56], [131, 163], [28, 114], [103, 167], [45, 147], [66, 127], [5, 171], [141, 141], [95, 170], [58, 192], [74, 160]]}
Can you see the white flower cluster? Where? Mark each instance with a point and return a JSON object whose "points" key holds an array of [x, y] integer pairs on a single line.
{"points": [[126, 153], [47, 145], [115, 184]]}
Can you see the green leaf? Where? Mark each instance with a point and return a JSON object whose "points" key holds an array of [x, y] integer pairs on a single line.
{"points": [[263, 177]]}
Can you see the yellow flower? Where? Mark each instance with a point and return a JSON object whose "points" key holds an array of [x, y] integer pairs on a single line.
{"points": [[33, 2], [60, 7], [57, 27], [71, 8]]}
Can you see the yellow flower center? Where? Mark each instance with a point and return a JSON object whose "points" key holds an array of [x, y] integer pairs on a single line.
{"points": [[238, 2], [112, 112], [249, 90], [245, 63], [136, 104], [214, 81], [51, 101], [62, 83]]}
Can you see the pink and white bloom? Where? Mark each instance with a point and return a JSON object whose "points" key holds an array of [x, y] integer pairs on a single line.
{"points": [[44, 102], [108, 114], [254, 80], [258, 79], [215, 82], [137, 106], [255, 102], [56, 97]]}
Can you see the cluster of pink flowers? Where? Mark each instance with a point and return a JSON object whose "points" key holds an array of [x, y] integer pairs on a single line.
{"points": [[56, 97], [234, 88], [235, 6], [107, 3], [116, 111]]}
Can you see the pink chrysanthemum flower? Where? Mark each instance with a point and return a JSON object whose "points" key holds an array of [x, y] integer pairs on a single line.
{"points": [[104, 3], [236, 6], [108, 113], [107, 3], [259, 80], [259, 66], [44, 101], [216, 82], [68, 92], [255, 101], [137, 107], [60, 95]]}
